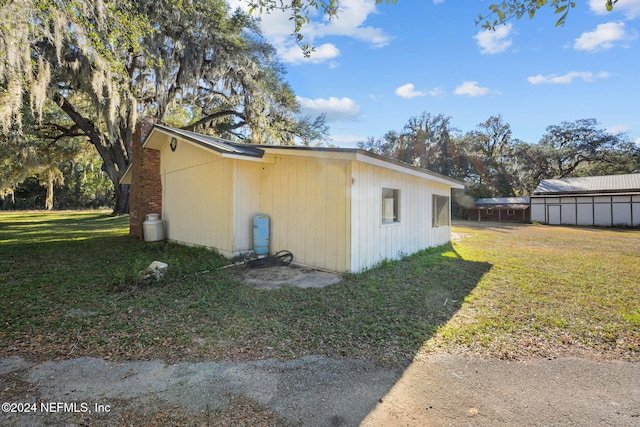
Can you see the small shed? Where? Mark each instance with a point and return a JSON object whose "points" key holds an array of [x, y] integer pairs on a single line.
{"points": [[507, 209], [607, 201], [337, 209]]}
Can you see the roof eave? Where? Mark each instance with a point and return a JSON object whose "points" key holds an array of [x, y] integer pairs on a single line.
{"points": [[514, 207], [368, 157], [157, 144], [127, 177], [251, 150]]}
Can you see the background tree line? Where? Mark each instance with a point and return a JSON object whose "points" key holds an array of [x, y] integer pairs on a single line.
{"points": [[489, 159], [76, 76], [494, 163], [78, 72]]}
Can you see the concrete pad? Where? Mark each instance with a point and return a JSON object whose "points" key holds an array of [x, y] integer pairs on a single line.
{"points": [[290, 275]]}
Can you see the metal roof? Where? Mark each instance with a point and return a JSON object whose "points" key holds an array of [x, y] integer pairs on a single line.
{"points": [[218, 144], [590, 184], [502, 203], [252, 150], [368, 154]]}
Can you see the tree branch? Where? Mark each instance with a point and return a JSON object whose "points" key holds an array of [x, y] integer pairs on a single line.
{"points": [[208, 119], [95, 137], [47, 131], [81, 122]]}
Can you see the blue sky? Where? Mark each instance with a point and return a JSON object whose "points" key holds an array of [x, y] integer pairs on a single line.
{"points": [[375, 66]]}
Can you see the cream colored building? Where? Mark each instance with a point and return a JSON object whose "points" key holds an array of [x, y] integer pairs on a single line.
{"points": [[343, 210]]}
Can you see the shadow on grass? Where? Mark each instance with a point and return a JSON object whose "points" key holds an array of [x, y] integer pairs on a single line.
{"points": [[60, 300], [383, 315]]}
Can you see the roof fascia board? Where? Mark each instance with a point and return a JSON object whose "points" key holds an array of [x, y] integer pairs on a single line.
{"points": [[263, 159], [157, 143], [348, 154], [154, 140], [150, 142], [127, 176], [338, 154], [365, 157]]}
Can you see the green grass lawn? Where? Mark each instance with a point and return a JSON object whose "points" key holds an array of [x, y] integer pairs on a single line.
{"points": [[552, 291], [68, 289]]}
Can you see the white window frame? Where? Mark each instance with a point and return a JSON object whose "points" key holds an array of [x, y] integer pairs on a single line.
{"points": [[441, 209], [390, 205]]}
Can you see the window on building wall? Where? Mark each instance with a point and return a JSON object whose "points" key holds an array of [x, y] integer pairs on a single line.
{"points": [[390, 205], [511, 212], [440, 211], [489, 211]]}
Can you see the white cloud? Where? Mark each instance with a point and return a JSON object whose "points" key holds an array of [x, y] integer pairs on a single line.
{"points": [[352, 15], [603, 37], [408, 91], [471, 88], [293, 54], [638, 142], [629, 8], [276, 25], [492, 42], [436, 92], [336, 109], [568, 78], [618, 129], [346, 140], [277, 28]]}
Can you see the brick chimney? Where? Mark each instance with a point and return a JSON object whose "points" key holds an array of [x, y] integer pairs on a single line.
{"points": [[145, 196]]}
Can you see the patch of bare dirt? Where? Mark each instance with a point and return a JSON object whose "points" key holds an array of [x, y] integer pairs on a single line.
{"points": [[435, 390]]}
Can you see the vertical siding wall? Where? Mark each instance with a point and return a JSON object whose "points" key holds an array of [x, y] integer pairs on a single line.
{"points": [[538, 210], [197, 201], [371, 240], [307, 201], [604, 211], [247, 180], [326, 210]]}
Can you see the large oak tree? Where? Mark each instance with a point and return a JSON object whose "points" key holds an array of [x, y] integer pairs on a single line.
{"points": [[106, 63]]}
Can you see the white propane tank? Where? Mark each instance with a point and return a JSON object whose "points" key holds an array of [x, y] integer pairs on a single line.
{"points": [[153, 228]]}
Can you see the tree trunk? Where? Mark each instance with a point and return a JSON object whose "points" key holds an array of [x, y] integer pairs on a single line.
{"points": [[121, 203], [115, 155], [48, 204]]}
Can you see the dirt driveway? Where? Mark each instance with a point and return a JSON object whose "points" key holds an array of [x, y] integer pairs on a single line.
{"points": [[445, 390], [435, 390]]}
